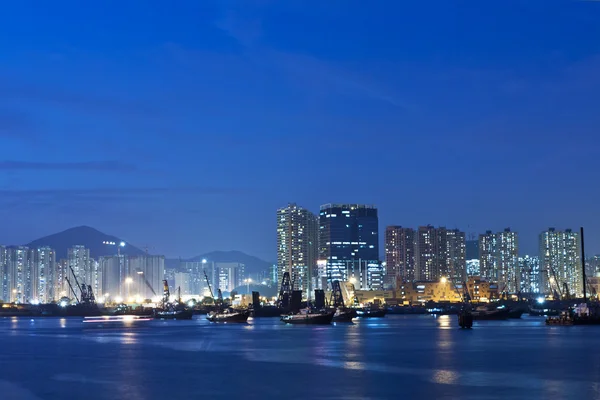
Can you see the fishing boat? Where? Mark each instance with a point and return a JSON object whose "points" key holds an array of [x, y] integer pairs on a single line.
{"points": [[307, 316], [341, 312]]}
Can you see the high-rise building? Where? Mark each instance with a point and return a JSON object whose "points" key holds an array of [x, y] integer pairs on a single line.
{"points": [[488, 266], [456, 255], [561, 262], [114, 270], [228, 275], [531, 278], [399, 255], [297, 246], [43, 268], [183, 283], [507, 261], [4, 292], [473, 268], [348, 242], [79, 264], [196, 270], [18, 274], [427, 253], [61, 288], [440, 253], [147, 273]]}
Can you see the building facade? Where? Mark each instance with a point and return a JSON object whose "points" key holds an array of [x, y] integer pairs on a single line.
{"points": [[507, 261], [456, 255], [147, 273], [43, 263], [349, 244], [297, 246], [399, 255], [440, 253], [560, 261], [488, 264], [531, 276]]}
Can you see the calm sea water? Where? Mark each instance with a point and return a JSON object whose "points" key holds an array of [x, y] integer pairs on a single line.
{"points": [[398, 357]]}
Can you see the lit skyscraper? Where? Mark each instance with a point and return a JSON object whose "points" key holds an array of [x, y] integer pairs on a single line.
{"points": [[4, 290], [488, 266], [456, 256], [507, 261], [18, 274], [440, 253], [43, 265], [147, 268], [531, 278], [560, 261], [348, 242], [399, 255], [297, 248], [79, 261]]}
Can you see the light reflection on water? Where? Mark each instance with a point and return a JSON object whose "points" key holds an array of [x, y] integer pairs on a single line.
{"points": [[522, 357]]}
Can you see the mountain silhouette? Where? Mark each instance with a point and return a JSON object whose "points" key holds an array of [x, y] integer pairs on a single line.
{"points": [[87, 236]]}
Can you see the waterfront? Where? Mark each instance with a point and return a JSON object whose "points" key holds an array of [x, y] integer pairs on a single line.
{"points": [[411, 357]]}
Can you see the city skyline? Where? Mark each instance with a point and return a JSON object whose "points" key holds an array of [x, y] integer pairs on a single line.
{"points": [[178, 118]]}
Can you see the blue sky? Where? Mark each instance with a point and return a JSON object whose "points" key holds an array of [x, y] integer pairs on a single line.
{"points": [[185, 126]]}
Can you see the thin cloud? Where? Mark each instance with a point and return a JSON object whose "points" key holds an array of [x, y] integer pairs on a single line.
{"points": [[115, 166], [85, 102]]}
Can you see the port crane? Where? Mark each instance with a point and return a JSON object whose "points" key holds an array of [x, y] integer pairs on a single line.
{"points": [[86, 292]]}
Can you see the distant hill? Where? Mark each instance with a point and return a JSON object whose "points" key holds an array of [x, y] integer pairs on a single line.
{"points": [[253, 265], [86, 236]]}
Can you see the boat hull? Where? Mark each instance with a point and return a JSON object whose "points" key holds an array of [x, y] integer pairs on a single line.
{"points": [[490, 315], [308, 319], [177, 315], [238, 317], [371, 313], [344, 315]]}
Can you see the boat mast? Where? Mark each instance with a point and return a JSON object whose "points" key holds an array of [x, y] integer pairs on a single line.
{"points": [[583, 266]]}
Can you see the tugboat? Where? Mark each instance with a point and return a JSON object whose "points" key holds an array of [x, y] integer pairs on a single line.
{"points": [[172, 311], [307, 316], [225, 314]]}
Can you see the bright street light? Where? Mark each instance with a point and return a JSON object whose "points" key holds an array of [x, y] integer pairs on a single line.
{"points": [[204, 261], [443, 280], [122, 244]]}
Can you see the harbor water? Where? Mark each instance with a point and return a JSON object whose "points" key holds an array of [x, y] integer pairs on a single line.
{"points": [[396, 357]]}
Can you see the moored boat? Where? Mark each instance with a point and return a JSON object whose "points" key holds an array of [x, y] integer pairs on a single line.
{"points": [[485, 314], [344, 314], [309, 317], [369, 312], [229, 315]]}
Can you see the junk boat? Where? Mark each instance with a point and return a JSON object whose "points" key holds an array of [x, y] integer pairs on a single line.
{"points": [[308, 316]]}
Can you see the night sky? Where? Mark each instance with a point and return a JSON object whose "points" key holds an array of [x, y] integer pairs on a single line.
{"points": [[185, 125]]}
